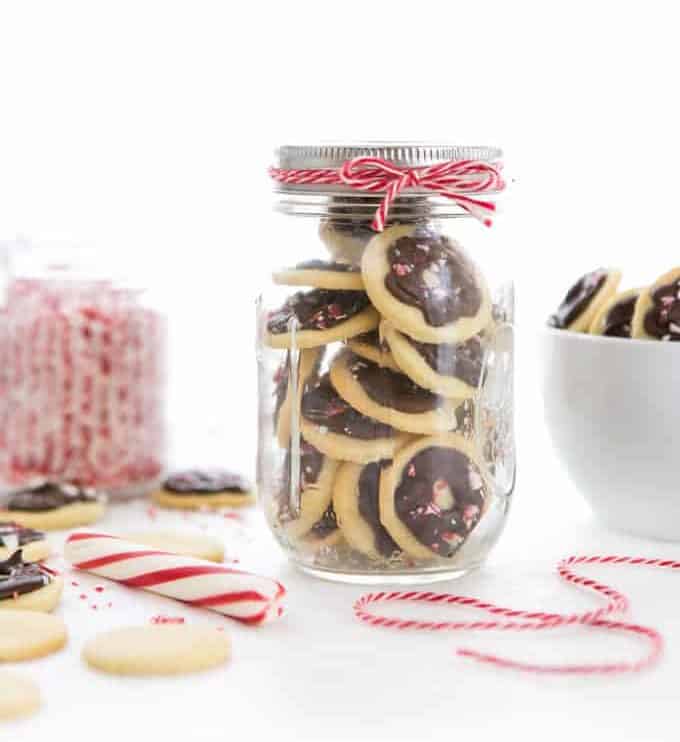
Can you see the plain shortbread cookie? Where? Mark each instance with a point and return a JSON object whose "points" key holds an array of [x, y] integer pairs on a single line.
{"points": [[58, 519], [26, 635], [19, 696], [44, 599], [158, 650]]}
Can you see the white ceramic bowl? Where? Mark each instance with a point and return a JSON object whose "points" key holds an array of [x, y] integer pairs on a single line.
{"points": [[613, 410]]}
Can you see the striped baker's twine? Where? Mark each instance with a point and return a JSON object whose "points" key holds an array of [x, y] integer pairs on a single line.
{"points": [[455, 180], [522, 620]]}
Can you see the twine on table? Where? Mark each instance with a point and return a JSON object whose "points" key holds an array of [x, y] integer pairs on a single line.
{"points": [[455, 180], [523, 620]]}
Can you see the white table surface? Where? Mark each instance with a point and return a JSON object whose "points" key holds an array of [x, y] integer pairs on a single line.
{"points": [[320, 674]]}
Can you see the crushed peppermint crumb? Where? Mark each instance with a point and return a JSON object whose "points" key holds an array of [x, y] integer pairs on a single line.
{"points": [[161, 619]]}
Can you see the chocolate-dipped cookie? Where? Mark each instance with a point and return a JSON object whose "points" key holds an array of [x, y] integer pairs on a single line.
{"points": [[321, 274], [193, 489], [452, 370], [425, 285], [372, 346], [33, 543], [390, 396], [345, 240], [320, 316], [28, 586], [657, 310], [585, 299], [615, 317], [315, 490], [308, 365], [325, 533], [54, 506], [356, 503], [433, 495], [333, 426]]}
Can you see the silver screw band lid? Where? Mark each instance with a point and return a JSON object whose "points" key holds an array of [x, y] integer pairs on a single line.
{"points": [[320, 156]]}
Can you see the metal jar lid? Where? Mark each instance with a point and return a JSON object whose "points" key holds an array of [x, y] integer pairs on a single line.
{"points": [[402, 154], [343, 203]]}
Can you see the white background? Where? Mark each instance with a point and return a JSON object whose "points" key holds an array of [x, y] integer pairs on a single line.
{"points": [[148, 127]]}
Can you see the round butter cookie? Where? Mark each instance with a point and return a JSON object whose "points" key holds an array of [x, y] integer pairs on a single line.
{"points": [[308, 366], [336, 429], [321, 274], [32, 543], [452, 370], [433, 495], [54, 506], [320, 316], [657, 310], [28, 586], [585, 299], [615, 317], [425, 285], [19, 696], [159, 649], [194, 489], [391, 397], [27, 635], [356, 504]]}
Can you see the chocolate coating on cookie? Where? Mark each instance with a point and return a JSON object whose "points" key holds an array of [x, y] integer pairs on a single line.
{"points": [[390, 388], [327, 524], [440, 498], [281, 378], [206, 482], [662, 320], [369, 487], [429, 272], [50, 496], [323, 406], [18, 577], [11, 531], [619, 319], [461, 360], [372, 338], [323, 265], [319, 309], [578, 299], [311, 463]]}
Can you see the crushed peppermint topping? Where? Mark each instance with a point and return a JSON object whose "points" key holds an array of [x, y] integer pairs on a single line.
{"points": [[475, 479], [442, 496]]}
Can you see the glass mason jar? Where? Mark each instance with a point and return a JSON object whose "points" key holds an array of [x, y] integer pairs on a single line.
{"points": [[82, 372], [386, 450]]}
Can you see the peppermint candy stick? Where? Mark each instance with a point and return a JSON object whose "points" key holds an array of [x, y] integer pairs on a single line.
{"points": [[246, 597]]}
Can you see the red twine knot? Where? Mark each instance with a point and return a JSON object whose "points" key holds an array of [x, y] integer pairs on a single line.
{"points": [[454, 180]]}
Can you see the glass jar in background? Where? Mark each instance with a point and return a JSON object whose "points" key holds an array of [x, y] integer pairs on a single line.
{"points": [[82, 372], [386, 449]]}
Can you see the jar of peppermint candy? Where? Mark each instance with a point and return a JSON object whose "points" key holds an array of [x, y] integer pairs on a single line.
{"points": [[82, 371], [385, 352]]}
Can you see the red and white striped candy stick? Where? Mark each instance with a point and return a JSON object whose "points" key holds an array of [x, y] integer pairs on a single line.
{"points": [[246, 597]]}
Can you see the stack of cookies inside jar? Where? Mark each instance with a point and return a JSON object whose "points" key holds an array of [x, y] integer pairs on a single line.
{"points": [[377, 449]]}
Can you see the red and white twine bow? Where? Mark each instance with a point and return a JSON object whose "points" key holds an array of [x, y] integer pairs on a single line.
{"points": [[455, 180], [521, 620]]}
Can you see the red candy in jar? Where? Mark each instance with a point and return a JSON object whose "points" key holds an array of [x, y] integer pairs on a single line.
{"points": [[82, 371]]}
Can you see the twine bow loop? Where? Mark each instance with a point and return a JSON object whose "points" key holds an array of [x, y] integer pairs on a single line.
{"points": [[455, 180]]}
